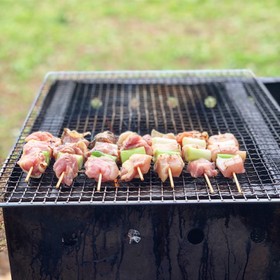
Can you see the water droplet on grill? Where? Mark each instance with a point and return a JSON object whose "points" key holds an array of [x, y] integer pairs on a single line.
{"points": [[134, 236]]}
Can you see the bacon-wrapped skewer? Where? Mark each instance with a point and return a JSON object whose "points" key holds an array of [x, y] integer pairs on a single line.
{"points": [[37, 153], [101, 163], [229, 160], [135, 155], [198, 157], [167, 158], [70, 156]]}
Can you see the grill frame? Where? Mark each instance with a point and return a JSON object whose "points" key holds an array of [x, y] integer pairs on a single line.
{"points": [[155, 77]]}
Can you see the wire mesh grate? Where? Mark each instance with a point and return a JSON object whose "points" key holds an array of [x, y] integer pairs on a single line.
{"points": [[140, 101]]}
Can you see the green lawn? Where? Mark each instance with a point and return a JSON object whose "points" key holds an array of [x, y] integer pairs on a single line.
{"points": [[41, 36]]}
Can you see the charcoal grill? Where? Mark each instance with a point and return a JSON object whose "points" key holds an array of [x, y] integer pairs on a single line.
{"points": [[115, 233]]}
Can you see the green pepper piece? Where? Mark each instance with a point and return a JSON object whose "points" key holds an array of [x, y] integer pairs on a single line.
{"points": [[126, 154], [80, 161], [101, 154], [225, 156], [194, 154], [47, 157], [79, 158]]}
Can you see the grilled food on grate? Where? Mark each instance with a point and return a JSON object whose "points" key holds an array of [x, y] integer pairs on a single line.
{"points": [[167, 158], [70, 156], [101, 163], [73, 136], [134, 152], [37, 153]]}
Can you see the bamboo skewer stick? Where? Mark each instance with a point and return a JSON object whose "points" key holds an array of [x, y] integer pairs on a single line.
{"points": [[59, 180], [237, 183], [29, 174], [208, 183], [99, 182], [170, 178], [140, 173], [116, 183]]}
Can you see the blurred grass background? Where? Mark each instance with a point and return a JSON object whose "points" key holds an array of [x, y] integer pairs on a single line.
{"points": [[41, 36]]}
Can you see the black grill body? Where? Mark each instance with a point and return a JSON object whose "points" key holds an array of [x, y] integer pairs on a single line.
{"points": [[177, 242], [146, 230]]}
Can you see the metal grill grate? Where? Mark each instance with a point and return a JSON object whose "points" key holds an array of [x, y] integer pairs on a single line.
{"points": [[138, 101]]}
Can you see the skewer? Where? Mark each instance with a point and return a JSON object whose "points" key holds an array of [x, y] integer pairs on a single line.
{"points": [[170, 178], [29, 174], [140, 173], [237, 183], [60, 180], [235, 178], [208, 183], [99, 182], [116, 183]]}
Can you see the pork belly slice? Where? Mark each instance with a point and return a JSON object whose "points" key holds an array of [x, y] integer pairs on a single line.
{"points": [[129, 168], [104, 165], [228, 166], [198, 168], [165, 161], [68, 164]]}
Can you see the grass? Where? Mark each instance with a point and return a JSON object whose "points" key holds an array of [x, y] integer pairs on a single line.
{"points": [[41, 36]]}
